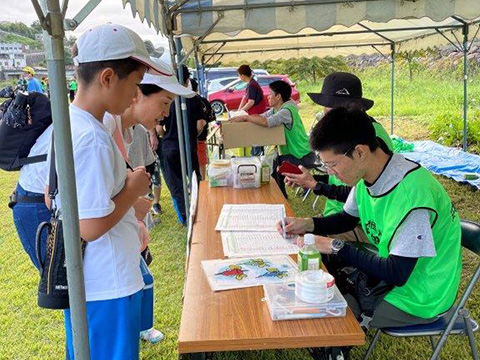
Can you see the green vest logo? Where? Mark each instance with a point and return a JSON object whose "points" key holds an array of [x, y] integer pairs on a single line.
{"points": [[372, 232]]}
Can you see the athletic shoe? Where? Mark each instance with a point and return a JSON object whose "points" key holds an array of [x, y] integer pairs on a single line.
{"points": [[156, 209], [152, 335]]}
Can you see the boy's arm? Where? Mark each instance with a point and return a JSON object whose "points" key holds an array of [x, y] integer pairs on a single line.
{"points": [[136, 184]]}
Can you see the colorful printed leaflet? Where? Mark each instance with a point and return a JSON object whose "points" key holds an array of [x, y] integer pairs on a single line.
{"points": [[242, 243], [247, 272], [250, 217]]}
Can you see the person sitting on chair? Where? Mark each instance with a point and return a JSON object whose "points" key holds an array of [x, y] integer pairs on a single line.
{"points": [[407, 216], [340, 89]]}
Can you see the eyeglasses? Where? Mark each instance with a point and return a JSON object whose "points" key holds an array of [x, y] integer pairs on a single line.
{"points": [[332, 166]]}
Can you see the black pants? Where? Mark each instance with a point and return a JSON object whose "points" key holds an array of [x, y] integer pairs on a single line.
{"points": [[173, 179], [306, 161]]}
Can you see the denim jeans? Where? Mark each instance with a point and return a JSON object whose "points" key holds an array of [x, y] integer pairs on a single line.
{"points": [[27, 217]]}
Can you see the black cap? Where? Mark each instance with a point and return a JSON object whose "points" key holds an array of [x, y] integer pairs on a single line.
{"points": [[338, 89]]}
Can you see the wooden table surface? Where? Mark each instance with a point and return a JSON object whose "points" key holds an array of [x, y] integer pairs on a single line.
{"points": [[238, 319]]}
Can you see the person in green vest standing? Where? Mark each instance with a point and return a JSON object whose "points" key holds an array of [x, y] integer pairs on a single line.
{"points": [[405, 213], [340, 89], [284, 112]]}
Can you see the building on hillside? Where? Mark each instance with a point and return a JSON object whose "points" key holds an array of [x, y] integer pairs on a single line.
{"points": [[12, 56]]}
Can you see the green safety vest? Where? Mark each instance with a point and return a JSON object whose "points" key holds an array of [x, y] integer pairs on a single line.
{"points": [[334, 206], [296, 139], [432, 286]]}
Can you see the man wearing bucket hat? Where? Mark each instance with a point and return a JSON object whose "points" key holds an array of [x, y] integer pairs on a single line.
{"points": [[32, 83], [340, 89]]}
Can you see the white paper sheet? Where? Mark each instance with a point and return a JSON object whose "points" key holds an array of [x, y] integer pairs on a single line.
{"points": [[250, 217], [250, 271], [240, 244]]}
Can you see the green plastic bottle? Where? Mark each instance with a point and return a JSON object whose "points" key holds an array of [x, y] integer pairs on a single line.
{"points": [[309, 257]]}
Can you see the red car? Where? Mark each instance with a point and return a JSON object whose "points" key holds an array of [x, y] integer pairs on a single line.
{"points": [[231, 96]]}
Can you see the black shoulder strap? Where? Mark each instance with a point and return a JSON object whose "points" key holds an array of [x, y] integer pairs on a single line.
{"points": [[32, 159], [52, 184]]}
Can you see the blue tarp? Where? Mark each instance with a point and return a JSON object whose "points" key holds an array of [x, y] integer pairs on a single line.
{"points": [[449, 162]]}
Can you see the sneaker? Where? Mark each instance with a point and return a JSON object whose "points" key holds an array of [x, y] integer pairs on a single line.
{"points": [[156, 209], [150, 196], [152, 335]]}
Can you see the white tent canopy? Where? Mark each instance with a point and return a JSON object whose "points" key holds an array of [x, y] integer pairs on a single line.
{"points": [[364, 38], [315, 26]]}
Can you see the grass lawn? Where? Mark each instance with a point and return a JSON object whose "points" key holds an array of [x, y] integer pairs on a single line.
{"points": [[29, 332]]}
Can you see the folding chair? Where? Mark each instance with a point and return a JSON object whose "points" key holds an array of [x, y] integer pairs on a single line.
{"points": [[460, 322]]}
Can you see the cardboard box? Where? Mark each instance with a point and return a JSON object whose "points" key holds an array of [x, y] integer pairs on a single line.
{"points": [[236, 135]]}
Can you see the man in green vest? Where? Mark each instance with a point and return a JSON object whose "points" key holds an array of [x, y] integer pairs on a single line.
{"points": [[405, 213], [284, 112], [339, 89]]}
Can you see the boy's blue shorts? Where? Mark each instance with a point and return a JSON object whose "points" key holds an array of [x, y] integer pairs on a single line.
{"points": [[113, 328], [147, 299]]}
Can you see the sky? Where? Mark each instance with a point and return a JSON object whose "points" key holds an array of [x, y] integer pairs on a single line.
{"points": [[106, 11]]}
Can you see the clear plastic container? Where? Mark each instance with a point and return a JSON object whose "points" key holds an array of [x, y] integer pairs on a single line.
{"points": [[284, 305], [246, 172], [220, 173]]}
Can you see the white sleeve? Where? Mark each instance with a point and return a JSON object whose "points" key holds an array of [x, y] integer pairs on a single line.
{"points": [[110, 123], [350, 206], [414, 237], [94, 169]]}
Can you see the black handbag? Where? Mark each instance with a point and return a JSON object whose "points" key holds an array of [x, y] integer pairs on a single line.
{"points": [[367, 290], [53, 285]]}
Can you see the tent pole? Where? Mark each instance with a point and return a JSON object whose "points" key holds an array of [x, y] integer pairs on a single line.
{"points": [[186, 135], [201, 79], [181, 141], [392, 90], [53, 38], [465, 84]]}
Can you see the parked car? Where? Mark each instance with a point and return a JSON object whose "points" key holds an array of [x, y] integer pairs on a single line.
{"points": [[224, 72], [231, 96], [218, 84], [215, 75]]}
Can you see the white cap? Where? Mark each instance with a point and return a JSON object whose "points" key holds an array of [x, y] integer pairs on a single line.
{"points": [[114, 42], [309, 239], [168, 82]]}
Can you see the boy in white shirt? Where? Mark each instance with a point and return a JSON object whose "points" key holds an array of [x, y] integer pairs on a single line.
{"points": [[151, 104], [110, 61]]}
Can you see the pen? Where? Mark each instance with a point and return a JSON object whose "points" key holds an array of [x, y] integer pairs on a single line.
{"points": [[284, 223]]}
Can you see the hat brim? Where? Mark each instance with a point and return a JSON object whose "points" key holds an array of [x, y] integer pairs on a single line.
{"points": [[154, 68], [179, 90], [339, 101], [169, 83]]}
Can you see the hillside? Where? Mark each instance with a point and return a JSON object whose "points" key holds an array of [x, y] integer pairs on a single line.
{"points": [[7, 37]]}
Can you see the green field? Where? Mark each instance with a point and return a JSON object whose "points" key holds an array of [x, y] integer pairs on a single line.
{"points": [[32, 333]]}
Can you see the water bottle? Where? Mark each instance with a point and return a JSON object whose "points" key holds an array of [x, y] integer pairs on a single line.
{"points": [[265, 173], [309, 257]]}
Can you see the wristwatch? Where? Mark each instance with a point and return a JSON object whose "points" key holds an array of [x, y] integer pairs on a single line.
{"points": [[336, 245]]}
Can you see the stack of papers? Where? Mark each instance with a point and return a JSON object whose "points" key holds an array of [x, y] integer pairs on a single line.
{"points": [[250, 230]]}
